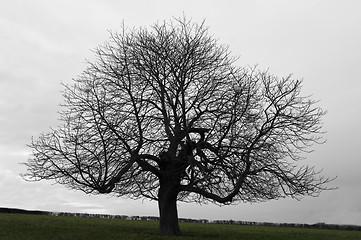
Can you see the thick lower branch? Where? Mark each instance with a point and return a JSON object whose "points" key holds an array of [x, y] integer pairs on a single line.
{"points": [[148, 167], [107, 188], [213, 196]]}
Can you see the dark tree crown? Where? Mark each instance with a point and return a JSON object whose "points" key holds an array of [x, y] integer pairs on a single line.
{"points": [[169, 105]]}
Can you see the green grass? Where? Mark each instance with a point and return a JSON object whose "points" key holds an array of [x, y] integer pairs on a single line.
{"points": [[39, 227]]}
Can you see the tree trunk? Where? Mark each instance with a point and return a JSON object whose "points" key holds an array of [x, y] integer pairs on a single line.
{"points": [[168, 215]]}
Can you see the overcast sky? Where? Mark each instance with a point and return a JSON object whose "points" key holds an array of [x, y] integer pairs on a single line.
{"points": [[44, 43]]}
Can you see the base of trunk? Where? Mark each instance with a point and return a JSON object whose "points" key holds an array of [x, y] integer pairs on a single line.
{"points": [[169, 229], [168, 221], [168, 214]]}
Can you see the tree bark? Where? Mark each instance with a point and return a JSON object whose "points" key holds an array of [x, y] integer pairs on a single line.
{"points": [[168, 214]]}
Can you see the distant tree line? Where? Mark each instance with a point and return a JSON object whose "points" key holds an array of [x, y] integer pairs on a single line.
{"points": [[152, 218]]}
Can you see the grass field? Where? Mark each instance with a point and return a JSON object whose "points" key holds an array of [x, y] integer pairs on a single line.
{"points": [[40, 227]]}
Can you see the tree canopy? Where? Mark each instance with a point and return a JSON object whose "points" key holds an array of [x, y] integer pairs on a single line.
{"points": [[165, 113]]}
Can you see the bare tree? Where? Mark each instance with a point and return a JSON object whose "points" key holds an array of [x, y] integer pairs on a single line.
{"points": [[166, 114]]}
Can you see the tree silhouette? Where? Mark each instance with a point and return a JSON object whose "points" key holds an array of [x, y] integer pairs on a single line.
{"points": [[164, 113]]}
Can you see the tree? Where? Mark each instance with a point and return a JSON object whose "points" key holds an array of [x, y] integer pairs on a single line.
{"points": [[166, 114]]}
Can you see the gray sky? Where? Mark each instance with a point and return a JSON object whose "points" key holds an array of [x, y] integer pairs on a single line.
{"points": [[46, 42]]}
